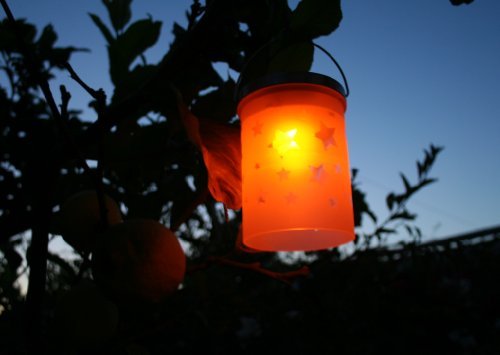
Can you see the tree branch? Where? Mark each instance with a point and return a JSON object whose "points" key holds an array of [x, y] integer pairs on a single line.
{"points": [[284, 277]]}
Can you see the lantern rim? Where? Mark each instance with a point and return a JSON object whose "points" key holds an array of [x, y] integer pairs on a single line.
{"points": [[290, 78], [298, 239]]}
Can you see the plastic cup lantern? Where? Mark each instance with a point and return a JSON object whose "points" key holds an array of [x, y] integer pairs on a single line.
{"points": [[295, 169]]}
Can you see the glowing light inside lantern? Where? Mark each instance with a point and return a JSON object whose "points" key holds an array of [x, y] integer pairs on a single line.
{"points": [[295, 169], [285, 141]]}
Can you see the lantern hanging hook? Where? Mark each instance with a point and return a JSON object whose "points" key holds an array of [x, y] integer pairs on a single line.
{"points": [[328, 54], [259, 50]]}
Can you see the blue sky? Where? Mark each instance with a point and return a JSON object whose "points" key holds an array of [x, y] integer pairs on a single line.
{"points": [[419, 72]]}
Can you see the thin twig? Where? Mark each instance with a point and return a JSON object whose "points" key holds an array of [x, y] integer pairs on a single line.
{"points": [[284, 277], [65, 97], [96, 94], [100, 97]]}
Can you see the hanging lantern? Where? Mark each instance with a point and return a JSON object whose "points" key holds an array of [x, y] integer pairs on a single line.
{"points": [[295, 170]]}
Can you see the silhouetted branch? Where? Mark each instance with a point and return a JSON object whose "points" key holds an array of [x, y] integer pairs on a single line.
{"points": [[65, 97], [284, 277], [100, 97], [96, 94]]}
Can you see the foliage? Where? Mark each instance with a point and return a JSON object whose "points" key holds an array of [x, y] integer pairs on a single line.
{"points": [[172, 168]]}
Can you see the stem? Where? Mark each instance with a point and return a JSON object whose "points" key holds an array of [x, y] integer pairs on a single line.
{"points": [[100, 97], [255, 267]]}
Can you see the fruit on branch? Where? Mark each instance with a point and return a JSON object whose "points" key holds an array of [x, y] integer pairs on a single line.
{"points": [[79, 219], [139, 259], [84, 316]]}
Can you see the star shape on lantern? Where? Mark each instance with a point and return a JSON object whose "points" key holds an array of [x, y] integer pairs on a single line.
{"points": [[257, 128], [283, 174], [332, 201], [261, 199], [290, 198], [325, 134], [285, 141], [318, 172]]}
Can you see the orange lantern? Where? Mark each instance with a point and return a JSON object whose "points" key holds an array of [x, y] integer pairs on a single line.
{"points": [[295, 169]]}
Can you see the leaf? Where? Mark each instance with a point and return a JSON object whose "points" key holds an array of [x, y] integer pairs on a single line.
{"points": [[361, 206], [296, 57], [389, 200], [221, 148], [218, 105], [420, 169], [59, 56], [314, 18], [427, 182], [405, 215], [10, 34], [460, 2], [119, 12], [129, 45], [102, 27], [383, 230], [405, 183], [47, 40], [354, 173]]}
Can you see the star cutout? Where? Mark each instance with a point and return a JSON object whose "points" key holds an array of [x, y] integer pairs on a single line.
{"points": [[283, 174], [318, 172], [332, 201], [290, 198], [325, 134], [257, 128], [285, 141]]}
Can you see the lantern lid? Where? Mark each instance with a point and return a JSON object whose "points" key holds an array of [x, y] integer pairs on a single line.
{"points": [[290, 78]]}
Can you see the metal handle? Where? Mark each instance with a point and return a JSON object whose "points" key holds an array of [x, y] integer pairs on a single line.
{"points": [[259, 50], [336, 64]]}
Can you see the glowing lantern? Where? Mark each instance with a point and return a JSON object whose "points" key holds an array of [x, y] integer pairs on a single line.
{"points": [[295, 169]]}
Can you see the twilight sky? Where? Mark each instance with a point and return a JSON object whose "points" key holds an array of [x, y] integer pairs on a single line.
{"points": [[419, 71]]}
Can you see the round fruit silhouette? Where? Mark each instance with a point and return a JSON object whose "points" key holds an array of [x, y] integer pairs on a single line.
{"points": [[80, 220], [84, 316], [139, 259]]}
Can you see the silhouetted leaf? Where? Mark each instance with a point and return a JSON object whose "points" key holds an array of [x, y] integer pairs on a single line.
{"points": [[426, 182], [296, 57], [385, 230], [420, 169], [102, 27], [361, 206], [389, 200], [313, 18], [460, 2], [405, 182], [47, 40], [218, 105], [405, 215], [119, 12], [59, 56], [129, 45]]}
